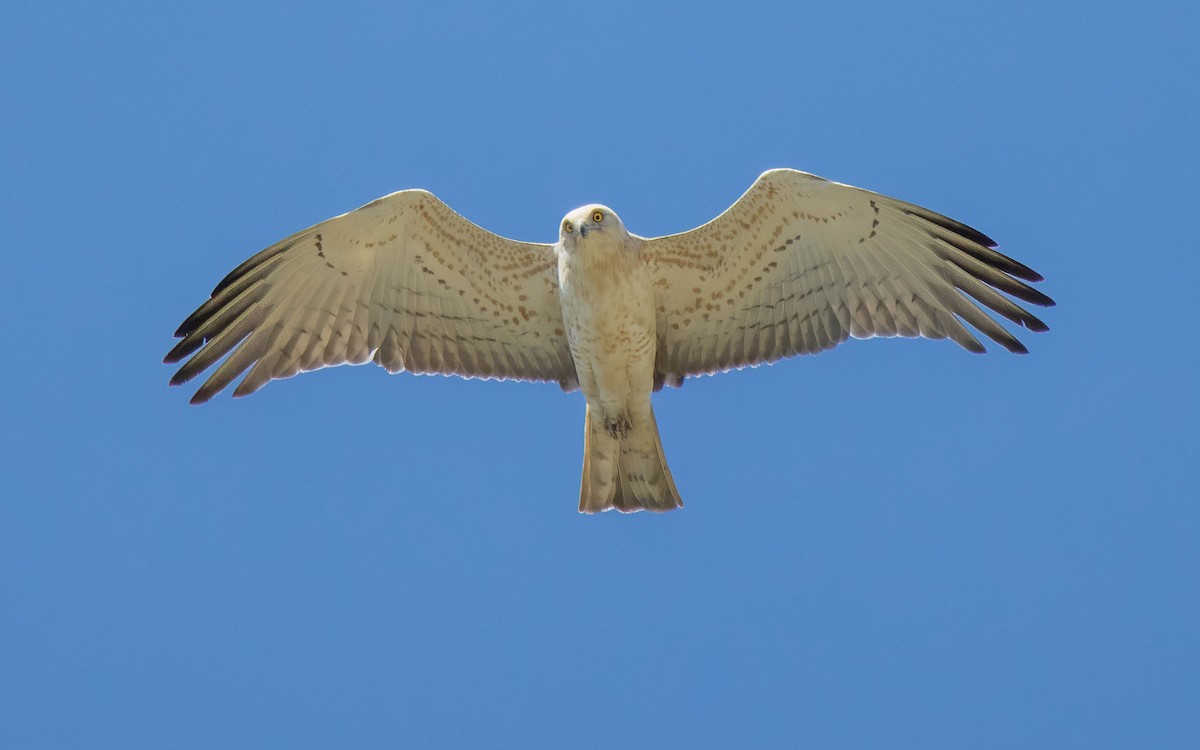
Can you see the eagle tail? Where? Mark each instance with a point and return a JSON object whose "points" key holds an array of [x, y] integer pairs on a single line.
{"points": [[628, 473]]}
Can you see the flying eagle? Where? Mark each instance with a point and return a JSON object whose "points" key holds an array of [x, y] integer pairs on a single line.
{"points": [[797, 265]]}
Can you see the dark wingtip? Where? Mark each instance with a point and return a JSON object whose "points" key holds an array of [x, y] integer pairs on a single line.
{"points": [[193, 321], [200, 397], [945, 222], [1010, 266], [977, 236], [1022, 271], [1035, 325], [1035, 297], [180, 350]]}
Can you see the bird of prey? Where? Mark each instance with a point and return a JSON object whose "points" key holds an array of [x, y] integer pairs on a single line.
{"points": [[795, 266]]}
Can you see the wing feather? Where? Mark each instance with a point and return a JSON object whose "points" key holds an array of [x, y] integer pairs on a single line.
{"points": [[799, 264], [403, 281]]}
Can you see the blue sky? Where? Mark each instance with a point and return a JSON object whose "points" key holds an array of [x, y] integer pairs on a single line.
{"points": [[892, 544]]}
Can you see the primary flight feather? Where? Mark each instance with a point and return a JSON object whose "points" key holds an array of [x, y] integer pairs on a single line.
{"points": [[796, 265]]}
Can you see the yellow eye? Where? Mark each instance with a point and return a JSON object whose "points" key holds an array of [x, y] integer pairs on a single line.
{"points": [[597, 216], [568, 227]]}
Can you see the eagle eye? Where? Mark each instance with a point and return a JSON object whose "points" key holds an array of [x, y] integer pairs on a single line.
{"points": [[597, 216], [568, 227]]}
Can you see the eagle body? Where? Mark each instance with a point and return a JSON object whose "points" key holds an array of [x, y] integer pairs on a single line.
{"points": [[608, 308]]}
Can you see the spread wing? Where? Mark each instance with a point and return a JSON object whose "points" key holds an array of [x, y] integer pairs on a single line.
{"points": [[799, 263], [403, 281]]}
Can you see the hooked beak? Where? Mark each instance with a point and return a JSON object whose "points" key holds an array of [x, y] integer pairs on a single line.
{"points": [[583, 229]]}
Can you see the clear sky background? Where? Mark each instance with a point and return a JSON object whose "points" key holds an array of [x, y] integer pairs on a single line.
{"points": [[894, 544]]}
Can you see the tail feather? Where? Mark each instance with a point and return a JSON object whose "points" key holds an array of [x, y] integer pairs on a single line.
{"points": [[629, 474]]}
